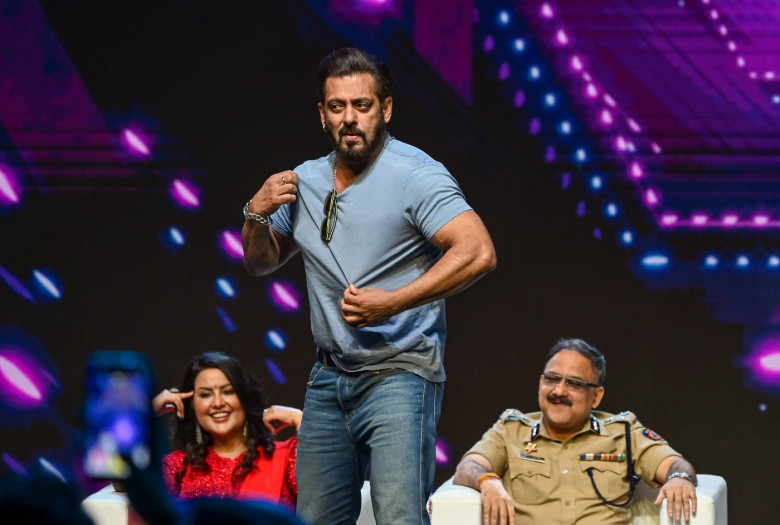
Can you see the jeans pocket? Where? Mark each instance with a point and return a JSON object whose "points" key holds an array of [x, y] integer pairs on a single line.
{"points": [[315, 371]]}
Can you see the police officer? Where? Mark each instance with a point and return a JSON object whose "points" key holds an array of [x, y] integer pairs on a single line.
{"points": [[570, 463]]}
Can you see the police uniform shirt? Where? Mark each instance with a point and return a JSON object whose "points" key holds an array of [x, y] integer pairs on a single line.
{"points": [[547, 478]]}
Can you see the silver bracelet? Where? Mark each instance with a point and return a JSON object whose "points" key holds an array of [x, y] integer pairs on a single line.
{"points": [[683, 475], [256, 217]]}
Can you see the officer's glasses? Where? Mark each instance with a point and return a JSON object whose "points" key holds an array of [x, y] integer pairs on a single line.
{"points": [[331, 211], [572, 383]]}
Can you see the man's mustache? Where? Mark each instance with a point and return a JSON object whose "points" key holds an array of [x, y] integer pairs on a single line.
{"points": [[552, 398], [350, 131]]}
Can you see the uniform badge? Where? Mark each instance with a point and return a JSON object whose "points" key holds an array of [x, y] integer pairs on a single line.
{"points": [[652, 434], [530, 448]]}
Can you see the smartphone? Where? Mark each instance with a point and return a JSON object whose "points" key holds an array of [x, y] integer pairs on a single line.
{"points": [[117, 414]]}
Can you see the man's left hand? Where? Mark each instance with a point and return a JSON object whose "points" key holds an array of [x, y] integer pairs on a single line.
{"points": [[680, 495], [361, 307]]}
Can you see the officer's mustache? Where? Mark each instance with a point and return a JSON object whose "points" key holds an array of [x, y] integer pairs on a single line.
{"points": [[552, 398]]}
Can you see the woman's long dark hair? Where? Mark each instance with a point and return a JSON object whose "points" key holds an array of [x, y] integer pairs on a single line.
{"points": [[253, 400]]}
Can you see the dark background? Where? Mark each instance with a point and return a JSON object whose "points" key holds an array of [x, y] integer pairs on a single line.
{"points": [[229, 92]]}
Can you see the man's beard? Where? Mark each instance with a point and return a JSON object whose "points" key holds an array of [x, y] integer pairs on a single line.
{"points": [[355, 152]]}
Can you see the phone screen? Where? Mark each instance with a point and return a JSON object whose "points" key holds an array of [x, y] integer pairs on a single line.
{"points": [[117, 418]]}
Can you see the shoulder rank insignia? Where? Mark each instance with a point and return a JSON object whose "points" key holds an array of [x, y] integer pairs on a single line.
{"points": [[595, 426], [652, 434], [616, 417], [512, 414]]}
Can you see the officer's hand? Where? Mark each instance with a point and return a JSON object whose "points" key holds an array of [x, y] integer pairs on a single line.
{"points": [[497, 505], [680, 495]]}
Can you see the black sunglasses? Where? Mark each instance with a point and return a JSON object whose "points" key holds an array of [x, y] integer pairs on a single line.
{"points": [[331, 211]]}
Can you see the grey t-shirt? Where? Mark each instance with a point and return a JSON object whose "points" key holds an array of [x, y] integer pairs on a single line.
{"points": [[381, 239]]}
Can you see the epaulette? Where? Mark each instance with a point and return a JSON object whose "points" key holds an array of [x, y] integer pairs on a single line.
{"points": [[512, 414], [623, 416]]}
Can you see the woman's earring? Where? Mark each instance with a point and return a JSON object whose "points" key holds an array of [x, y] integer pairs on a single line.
{"points": [[246, 429], [198, 435], [323, 126]]}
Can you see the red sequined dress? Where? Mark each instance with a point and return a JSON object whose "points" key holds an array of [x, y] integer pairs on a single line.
{"points": [[273, 478]]}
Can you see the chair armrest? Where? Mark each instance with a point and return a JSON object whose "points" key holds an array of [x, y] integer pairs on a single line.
{"points": [[107, 506], [711, 502], [455, 505]]}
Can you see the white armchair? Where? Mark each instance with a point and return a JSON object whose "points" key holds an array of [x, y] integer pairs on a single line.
{"points": [[109, 507], [458, 505]]}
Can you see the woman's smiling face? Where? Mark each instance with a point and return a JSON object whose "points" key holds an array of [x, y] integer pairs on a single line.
{"points": [[217, 407]]}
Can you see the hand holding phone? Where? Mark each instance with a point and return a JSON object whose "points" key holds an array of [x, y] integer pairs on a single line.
{"points": [[117, 414]]}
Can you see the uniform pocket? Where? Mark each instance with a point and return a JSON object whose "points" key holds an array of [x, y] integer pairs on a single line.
{"points": [[609, 477], [531, 483]]}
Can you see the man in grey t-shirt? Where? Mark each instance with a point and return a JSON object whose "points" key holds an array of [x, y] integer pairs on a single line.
{"points": [[386, 235]]}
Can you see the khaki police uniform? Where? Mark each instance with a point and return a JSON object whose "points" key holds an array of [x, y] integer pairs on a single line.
{"points": [[547, 478]]}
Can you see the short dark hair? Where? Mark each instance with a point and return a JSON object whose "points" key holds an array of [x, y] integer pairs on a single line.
{"points": [[347, 61], [595, 357]]}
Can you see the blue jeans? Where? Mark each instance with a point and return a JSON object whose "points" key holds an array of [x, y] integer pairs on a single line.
{"points": [[386, 419]]}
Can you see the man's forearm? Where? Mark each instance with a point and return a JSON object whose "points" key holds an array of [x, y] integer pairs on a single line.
{"points": [[261, 251], [468, 473]]}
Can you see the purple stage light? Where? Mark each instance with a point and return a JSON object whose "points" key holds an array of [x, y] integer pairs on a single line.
{"points": [[10, 187], [519, 98], [760, 220], [16, 285], [535, 127], [581, 209], [730, 219], [135, 143], [550, 154], [276, 371], [489, 44], [230, 244], [227, 321], [606, 117], [636, 170], [285, 297], [24, 382], [561, 37], [443, 454], [651, 197], [504, 71], [669, 219], [591, 91], [576, 63], [276, 340], [699, 219], [547, 11], [185, 194], [14, 465], [763, 361]]}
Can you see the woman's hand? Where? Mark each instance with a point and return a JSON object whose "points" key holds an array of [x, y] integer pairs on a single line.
{"points": [[277, 417], [170, 400]]}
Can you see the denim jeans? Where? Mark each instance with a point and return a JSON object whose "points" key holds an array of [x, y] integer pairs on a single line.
{"points": [[386, 419]]}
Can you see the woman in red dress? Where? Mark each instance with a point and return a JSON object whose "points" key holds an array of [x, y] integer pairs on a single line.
{"points": [[224, 438]]}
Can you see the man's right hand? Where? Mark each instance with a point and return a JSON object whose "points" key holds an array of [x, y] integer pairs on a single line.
{"points": [[279, 188], [497, 505]]}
